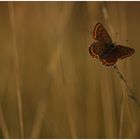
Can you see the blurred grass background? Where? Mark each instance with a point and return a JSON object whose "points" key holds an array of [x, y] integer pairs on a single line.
{"points": [[50, 87]]}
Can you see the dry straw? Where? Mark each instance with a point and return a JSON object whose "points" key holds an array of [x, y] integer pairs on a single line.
{"points": [[16, 66]]}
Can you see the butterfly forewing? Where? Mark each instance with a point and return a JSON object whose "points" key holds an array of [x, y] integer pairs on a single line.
{"points": [[97, 49], [101, 34], [123, 52]]}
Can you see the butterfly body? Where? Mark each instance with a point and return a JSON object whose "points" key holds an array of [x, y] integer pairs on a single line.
{"points": [[109, 49], [105, 50]]}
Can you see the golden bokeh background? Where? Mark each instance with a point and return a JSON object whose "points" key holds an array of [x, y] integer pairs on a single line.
{"points": [[50, 87]]}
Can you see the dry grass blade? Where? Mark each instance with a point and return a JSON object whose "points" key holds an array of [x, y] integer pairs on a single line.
{"points": [[62, 24], [3, 125], [16, 66], [40, 113]]}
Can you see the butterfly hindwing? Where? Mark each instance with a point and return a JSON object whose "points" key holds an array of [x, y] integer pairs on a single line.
{"points": [[123, 52], [101, 34], [110, 59], [97, 49]]}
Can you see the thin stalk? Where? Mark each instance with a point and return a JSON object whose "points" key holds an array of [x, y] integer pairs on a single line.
{"points": [[124, 102], [121, 116], [130, 93]]}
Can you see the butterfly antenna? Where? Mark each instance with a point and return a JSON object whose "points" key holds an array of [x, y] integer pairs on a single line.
{"points": [[116, 37], [125, 40]]}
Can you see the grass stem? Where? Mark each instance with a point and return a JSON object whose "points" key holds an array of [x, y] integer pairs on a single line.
{"points": [[130, 93]]}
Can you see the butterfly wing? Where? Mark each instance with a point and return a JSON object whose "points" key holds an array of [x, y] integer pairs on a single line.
{"points": [[123, 52], [101, 34], [110, 59], [96, 49]]}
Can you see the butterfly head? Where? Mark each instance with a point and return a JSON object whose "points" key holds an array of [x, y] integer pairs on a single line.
{"points": [[110, 45]]}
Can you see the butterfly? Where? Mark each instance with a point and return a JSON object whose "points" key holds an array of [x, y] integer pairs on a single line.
{"points": [[105, 50]]}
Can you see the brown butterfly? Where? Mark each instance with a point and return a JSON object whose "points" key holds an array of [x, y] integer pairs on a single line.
{"points": [[105, 50]]}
